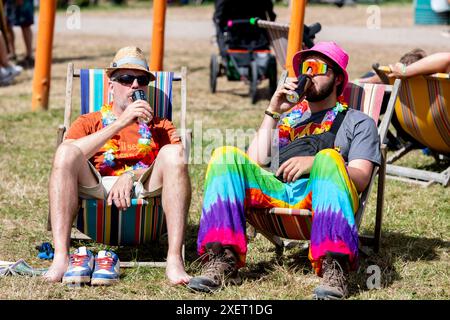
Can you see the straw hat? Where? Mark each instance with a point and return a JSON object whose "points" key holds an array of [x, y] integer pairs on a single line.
{"points": [[129, 58]]}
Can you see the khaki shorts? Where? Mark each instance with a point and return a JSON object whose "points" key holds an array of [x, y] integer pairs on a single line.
{"points": [[101, 190]]}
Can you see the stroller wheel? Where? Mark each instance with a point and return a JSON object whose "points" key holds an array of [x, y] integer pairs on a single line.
{"points": [[213, 73], [254, 81]]}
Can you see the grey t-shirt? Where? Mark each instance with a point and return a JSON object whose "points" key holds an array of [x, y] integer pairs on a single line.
{"points": [[357, 137]]}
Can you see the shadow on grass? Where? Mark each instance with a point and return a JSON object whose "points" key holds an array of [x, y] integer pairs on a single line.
{"points": [[436, 166], [295, 259], [396, 249], [149, 252]]}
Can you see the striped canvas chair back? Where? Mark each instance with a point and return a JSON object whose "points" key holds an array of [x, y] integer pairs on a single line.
{"points": [[366, 98], [144, 221], [423, 109], [296, 224], [278, 34], [94, 92]]}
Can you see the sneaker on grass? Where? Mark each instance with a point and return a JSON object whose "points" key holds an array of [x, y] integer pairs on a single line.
{"points": [[81, 263], [107, 269]]}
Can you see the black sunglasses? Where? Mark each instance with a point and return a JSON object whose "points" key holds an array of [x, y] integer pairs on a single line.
{"points": [[127, 79]]}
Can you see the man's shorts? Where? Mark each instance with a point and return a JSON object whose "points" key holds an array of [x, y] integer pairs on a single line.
{"points": [[20, 15], [101, 190]]}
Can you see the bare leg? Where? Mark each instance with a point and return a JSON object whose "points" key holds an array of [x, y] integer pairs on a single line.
{"points": [[171, 173], [69, 167], [4, 62], [11, 40], [28, 39]]}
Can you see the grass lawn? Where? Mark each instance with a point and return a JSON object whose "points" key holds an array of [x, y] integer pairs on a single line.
{"points": [[414, 257]]}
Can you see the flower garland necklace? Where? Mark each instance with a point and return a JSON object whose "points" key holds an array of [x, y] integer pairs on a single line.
{"points": [[111, 146], [288, 123]]}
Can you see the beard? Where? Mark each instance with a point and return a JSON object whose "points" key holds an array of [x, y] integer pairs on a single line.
{"points": [[122, 103], [315, 95]]}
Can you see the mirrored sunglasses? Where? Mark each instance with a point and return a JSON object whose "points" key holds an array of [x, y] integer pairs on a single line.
{"points": [[127, 79], [316, 67]]}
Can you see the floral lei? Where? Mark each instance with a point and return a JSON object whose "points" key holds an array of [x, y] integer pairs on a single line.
{"points": [[111, 146], [288, 122]]}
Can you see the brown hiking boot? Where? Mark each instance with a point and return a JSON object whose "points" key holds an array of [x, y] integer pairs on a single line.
{"points": [[220, 269], [334, 284]]}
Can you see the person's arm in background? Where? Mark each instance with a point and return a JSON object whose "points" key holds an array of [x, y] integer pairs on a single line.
{"points": [[437, 62]]}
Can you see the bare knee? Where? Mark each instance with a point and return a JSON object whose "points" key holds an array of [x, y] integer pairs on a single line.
{"points": [[172, 155], [67, 156]]}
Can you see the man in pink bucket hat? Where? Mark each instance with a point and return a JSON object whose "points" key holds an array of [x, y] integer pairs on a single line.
{"points": [[324, 159], [328, 50]]}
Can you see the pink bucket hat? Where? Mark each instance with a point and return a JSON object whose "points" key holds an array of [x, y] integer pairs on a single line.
{"points": [[330, 50]]}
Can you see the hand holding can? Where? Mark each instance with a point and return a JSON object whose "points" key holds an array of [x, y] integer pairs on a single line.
{"points": [[140, 95], [303, 84]]}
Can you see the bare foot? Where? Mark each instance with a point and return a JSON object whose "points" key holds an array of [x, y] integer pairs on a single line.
{"points": [[175, 271], [57, 269]]}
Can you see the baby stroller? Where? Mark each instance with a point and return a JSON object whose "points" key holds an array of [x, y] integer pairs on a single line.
{"points": [[244, 47]]}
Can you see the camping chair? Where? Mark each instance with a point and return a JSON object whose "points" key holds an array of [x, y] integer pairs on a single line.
{"points": [[277, 224], [144, 221], [423, 111]]}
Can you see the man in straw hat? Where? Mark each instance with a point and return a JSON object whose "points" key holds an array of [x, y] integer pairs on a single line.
{"points": [[112, 154], [325, 179]]}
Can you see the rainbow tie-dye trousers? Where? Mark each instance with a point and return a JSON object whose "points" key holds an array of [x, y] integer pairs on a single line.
{"points": [[234, 182]]}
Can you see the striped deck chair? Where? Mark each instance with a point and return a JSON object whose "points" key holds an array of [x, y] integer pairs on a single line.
{"points": [[280, 225], [423, 111], [144, 221]]}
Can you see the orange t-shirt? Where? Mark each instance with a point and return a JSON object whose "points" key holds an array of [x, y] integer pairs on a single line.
{"points": [[126, 139]]}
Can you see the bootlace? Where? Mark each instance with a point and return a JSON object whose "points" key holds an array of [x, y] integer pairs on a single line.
{"points": [[217, 266], [334, 275]]}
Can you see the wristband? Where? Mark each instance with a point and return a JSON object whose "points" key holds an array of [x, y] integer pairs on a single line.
{"points": [[403, 69], [132, 174], [273, 115]]}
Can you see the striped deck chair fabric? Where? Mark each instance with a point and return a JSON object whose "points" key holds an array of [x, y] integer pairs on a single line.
{"points": [[423, 109], [144, 221], [295, 224], [278, 34]]}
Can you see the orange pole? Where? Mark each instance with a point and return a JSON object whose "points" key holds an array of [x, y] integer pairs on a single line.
{"points": [[42, 68], [159, 20], [295, 37]]}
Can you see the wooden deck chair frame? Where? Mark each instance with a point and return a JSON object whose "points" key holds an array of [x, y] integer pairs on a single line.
{"points": [[366, 241], [435, 96], [278, 36], [185, 136]]}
